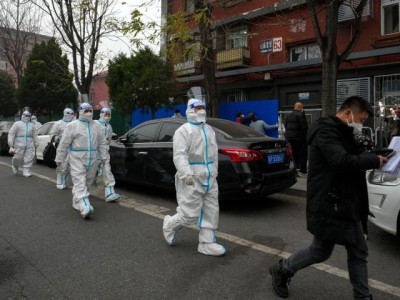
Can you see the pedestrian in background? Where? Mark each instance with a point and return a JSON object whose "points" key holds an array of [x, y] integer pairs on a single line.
{"points": [[260, 125], [337, 198], [35, 122], [83, 142], [177, 114], [22, 139], [242, 119], [56, 133], [104, 166], [296, 131], [196, 161]]}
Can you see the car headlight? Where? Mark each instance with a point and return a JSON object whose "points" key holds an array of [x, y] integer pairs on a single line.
{"points": [[383, 178]]}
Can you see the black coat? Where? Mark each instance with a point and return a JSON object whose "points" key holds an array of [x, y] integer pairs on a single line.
{"points": [[337, 197], [296, 125]]}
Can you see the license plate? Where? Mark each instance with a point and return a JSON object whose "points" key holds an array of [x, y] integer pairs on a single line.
{"points": [[275, 158]]}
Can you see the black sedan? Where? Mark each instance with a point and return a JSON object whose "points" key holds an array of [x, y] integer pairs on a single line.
{"points": [[5, 127], [250, 164]]}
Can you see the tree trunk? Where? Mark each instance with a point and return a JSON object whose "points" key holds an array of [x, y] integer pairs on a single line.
{"points": [[207, 62], [329, 76]]}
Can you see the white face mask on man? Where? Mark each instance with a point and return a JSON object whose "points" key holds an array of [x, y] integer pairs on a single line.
{"points": [[86, 116], [357, 127], [199, 116]]}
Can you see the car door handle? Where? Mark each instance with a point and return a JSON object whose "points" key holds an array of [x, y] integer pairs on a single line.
{"points": [[143, 153]]}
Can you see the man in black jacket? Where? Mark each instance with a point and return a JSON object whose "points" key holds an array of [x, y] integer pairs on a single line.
{"points": [[337, 197], [296, 132]]}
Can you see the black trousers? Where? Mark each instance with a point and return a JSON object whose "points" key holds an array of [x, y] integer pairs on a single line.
{"points": [[300, 154]]}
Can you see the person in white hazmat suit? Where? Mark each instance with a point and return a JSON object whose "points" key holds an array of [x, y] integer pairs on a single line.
{"points": [[56, 133], [22, 139], [83, 142], [35, 122], [196, 160], [105, 167]]}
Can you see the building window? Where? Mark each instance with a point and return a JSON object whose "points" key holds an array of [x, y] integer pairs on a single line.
{"points": [[305, 52], [189, 6], [236, 38], [233, 96], [3, 65], [390, 16]]}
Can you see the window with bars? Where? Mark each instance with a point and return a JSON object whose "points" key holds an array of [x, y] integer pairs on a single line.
{"points": [[233, 96]]}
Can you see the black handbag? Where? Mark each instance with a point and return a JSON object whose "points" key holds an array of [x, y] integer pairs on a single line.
{"points": [[49, 154]]}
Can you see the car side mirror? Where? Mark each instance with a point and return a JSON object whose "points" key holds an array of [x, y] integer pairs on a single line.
{"points": [[114, 136], [123, 140]]}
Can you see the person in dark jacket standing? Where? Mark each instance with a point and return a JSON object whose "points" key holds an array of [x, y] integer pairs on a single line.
{"points": [[296, 132], [337, 197]]}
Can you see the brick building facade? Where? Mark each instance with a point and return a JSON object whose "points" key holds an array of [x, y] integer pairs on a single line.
{"points": [[267, 49]]}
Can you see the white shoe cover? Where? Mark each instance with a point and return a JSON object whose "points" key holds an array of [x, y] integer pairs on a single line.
{"points": [[61, 187], [112, 197], [26, 173], [213, 249], [84, 208], [169, 234], [110, 194], [15, 170]]}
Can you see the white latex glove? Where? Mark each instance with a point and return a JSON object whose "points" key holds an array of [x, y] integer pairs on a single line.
{"points": [[189, 180], [11, 151]]}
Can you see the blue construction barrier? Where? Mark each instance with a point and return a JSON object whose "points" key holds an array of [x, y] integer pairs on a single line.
{"points": [[266, 110]]}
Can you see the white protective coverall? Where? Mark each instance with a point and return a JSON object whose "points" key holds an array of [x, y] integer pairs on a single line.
{"points": [[196, 160], [105, 168], [36, 122], [83, 142], [56, 133], [22, 139]]}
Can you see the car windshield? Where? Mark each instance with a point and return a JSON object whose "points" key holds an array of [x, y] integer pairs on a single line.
{"points": [[234, 130]]}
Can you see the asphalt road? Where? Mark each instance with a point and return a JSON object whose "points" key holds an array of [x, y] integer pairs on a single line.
{"points": [[47, 251]]}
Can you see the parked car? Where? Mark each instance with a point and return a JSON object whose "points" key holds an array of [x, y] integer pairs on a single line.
{"points": [[250, 164], [44, 138], [5, 127], [384, 200]]}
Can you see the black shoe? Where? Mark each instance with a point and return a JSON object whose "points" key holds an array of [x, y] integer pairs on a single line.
{"points": [[280, 279]]}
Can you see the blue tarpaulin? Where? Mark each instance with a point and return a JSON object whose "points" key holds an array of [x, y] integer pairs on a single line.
{"points": [[266, 110]]}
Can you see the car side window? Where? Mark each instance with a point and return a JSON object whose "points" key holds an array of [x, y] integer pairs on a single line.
{"points": [[144, 134], [43, 130], [167, 131]]}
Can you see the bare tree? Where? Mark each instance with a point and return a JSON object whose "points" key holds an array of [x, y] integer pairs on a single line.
{"points": [[327, 12], [81, 25], [19, 27]]}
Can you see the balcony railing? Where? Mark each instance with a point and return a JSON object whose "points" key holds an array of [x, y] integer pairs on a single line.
{"points": [[238, 57], [189, 67]]}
